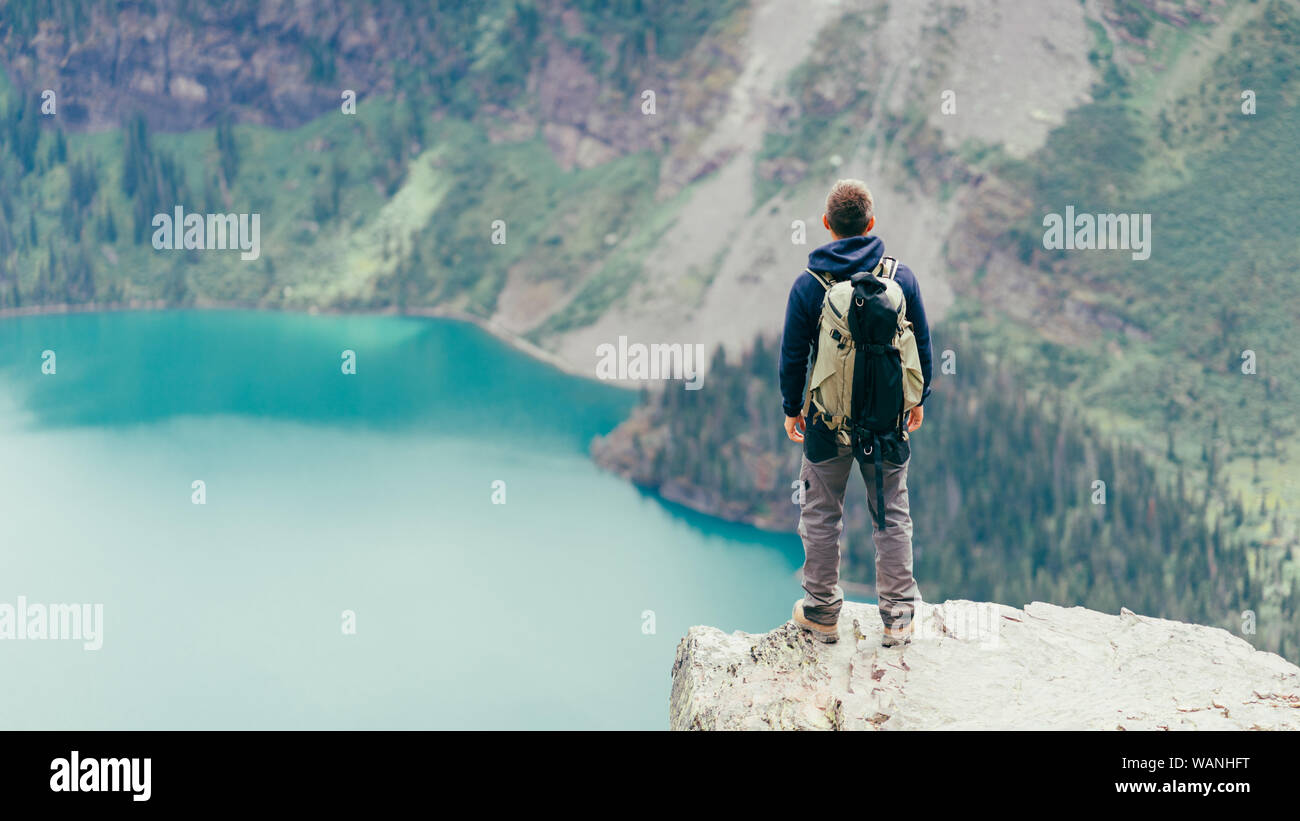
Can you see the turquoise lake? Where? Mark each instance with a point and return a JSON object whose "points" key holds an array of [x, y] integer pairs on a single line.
{"points": [[325, 493]]}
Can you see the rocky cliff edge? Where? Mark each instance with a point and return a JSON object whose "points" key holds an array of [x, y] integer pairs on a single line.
{"points": [[975, 665]]}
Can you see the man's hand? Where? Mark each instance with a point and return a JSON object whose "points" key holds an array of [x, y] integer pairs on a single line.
{"points": [[914, 418], [794, 428]]}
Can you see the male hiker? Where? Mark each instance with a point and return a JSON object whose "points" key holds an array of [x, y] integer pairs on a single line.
{"points": [[871, 373]]}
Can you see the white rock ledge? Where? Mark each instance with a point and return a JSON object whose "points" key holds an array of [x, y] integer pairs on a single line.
{"points": [[988, 667]]}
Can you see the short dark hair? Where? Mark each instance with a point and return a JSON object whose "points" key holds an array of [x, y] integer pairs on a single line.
{"points": [[849, 208]]}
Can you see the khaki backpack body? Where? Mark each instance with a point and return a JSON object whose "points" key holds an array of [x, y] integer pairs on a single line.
{"points": [[831, 386]]}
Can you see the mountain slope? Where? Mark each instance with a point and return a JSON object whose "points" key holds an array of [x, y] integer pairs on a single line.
{"points": [[686, 223], [524, 112]]}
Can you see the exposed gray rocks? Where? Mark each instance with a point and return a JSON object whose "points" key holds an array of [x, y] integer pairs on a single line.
{"points": [[985, 666]]}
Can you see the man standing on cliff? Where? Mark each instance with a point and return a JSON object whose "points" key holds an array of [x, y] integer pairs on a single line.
{"points": [[827, 461]]}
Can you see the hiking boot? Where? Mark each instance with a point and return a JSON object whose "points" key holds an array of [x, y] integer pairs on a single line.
{"points": [[828, 633], [897, 636]]}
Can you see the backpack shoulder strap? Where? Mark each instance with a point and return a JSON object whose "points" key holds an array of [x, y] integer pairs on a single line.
{"points": [[824, 279], [887, 267], [826, 283]]}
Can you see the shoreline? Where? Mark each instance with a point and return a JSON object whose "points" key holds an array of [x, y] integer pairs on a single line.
{"points": [[515, 341]]}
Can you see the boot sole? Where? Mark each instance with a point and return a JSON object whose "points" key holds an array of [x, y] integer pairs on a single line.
{"points": [[820, 635]]}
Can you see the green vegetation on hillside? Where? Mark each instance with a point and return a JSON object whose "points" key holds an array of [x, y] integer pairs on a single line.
{"points": [[391, 207], [77, 208], [1221, 187], [324, 194]]}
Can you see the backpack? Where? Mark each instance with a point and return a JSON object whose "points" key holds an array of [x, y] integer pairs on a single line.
{"points": [[866, 371]]}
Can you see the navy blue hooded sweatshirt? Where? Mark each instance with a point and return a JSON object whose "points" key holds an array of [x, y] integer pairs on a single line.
{"points": [[841, 259]]}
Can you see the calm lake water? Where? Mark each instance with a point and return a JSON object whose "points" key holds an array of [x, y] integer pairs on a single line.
{"points": [[327, 493]]}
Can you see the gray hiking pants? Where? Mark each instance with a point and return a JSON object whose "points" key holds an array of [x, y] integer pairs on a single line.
{"points": [[820, 525]]}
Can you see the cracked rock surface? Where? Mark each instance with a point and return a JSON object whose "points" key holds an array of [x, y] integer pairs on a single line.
{"points": [[975, 665]]}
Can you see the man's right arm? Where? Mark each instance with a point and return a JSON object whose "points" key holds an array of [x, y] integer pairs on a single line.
{"points": [[796, 344]]}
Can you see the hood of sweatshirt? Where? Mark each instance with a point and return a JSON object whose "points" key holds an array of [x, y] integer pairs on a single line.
{"points": [[843, 258]]}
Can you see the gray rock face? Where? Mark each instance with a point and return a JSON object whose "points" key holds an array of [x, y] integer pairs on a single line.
{"points": [[975, 665]]}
